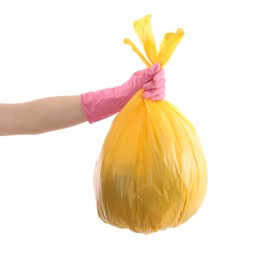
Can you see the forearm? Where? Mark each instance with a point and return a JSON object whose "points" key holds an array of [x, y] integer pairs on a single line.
{"points": [[42, 115], [53, 113]]}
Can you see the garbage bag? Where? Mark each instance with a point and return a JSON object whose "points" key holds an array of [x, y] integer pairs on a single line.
{"points": [[151, 173]]}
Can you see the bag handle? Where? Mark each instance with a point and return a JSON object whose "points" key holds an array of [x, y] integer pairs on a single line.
{"points": [[146, 37]]}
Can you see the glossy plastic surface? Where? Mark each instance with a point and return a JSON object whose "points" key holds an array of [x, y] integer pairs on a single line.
{"points": [[151, 173]]}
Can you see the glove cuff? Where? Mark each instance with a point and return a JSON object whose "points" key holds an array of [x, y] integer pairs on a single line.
{"points": [[98, 105]]}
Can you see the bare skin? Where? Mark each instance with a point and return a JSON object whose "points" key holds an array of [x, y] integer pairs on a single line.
{"points": [[40, 116]]}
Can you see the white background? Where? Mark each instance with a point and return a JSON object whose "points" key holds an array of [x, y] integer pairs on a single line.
{"points": [[53, 47]]}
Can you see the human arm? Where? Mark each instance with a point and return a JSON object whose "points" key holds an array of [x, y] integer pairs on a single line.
{"points": [[41, 115], [53, 113]]}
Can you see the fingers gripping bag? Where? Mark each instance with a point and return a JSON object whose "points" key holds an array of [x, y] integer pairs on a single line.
{"points": [[151, 173]]}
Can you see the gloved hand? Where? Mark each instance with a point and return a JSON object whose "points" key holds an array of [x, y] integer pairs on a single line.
{"points": [[101, 104], [155, 88]]}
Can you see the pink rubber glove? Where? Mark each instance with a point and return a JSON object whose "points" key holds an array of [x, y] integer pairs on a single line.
{"points": [[101, 104], [155, 89]]}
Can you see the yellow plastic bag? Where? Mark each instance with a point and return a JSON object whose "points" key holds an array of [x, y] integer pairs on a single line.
{"points": [[151, 173]]}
